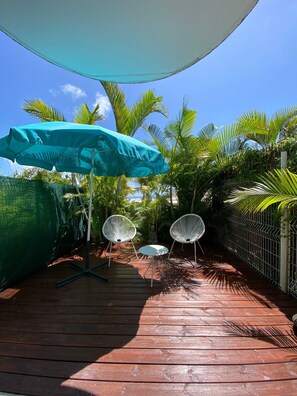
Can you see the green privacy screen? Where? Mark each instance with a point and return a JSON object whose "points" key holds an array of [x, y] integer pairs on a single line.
{"points": [[36, 222]]}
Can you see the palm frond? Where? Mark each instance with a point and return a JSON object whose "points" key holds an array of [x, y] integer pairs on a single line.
{"points": [[162, 142], [118, 103], [207, 131], [285, 114], [259, 128], [38, 109], [146, 105], [287, 121], [186, 120], [253, 122], [223, 138], [232, 147], [191, 146], [217, 141], [83, 115], [275, 187]]}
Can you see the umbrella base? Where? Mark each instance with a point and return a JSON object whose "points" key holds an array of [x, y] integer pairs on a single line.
{"points": [[83, 272]]}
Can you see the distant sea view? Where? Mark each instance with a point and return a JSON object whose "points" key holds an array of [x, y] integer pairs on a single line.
{"points": [[135, 197]]}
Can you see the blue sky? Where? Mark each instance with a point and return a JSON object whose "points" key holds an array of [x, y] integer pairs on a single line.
{"points": [[254, 68]]}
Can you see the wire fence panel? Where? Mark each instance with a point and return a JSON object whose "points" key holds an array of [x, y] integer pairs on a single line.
{"points": [[255, 238], [293, 254]]}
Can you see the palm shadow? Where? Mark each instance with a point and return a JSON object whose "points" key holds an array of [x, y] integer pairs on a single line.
{"points": [[231, 280], [172, 274], [178, 274], [272, 334], [228, 272], [219, 270]]}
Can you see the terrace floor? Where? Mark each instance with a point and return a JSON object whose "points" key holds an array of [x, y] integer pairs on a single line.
{"points": [[217, 328]]}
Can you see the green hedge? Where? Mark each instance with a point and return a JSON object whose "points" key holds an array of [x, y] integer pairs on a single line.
{"points": [[35, 221]]}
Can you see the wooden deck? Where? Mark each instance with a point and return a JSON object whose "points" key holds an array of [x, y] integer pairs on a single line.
{"points": [[216, 329]]}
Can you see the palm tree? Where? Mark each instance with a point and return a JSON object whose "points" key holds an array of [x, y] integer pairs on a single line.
{"points": [[129, 120], [264, 131], [190, 155], [173, 139], [274, 187]]}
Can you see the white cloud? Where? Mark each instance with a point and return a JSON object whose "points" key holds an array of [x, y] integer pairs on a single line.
{"points": [[103, 102], [73, 91]]}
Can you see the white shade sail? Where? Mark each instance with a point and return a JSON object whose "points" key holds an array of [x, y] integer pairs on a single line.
{"points": [[122, 41]]}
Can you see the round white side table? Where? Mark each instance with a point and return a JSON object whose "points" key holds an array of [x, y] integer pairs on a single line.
{"points": [[154, 251]]}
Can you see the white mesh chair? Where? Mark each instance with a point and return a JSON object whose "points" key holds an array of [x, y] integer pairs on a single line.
{"points": [[118, 229], [187, 229]]}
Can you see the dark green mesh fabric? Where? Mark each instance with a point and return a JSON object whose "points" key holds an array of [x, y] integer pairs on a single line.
{"points": [[35, 223]]}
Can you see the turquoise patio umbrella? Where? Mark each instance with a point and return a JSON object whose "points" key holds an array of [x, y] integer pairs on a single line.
{"points": [[85, 149]]}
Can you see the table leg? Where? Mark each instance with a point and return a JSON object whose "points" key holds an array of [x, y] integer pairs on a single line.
{"points": [[152, 272]]}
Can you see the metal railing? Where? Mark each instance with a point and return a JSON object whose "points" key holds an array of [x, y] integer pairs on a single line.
{"points": [[292, 254], [256, 239], [267, 241]]}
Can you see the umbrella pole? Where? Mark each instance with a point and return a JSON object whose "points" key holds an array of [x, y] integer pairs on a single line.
{"points": [[87, 263], [86, 270]]}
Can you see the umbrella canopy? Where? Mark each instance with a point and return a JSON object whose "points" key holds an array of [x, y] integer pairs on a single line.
{"points": [[79, 148], [122, 41]]}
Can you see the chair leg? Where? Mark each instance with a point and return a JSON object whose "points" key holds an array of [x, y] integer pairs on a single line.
{"points": [[110, 249], [200, 247], [107, 247], [134, 249], [171, 248]]}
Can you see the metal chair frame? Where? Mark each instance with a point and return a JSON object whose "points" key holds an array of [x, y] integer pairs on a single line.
{"points": [[119, 240], [185, 240]]}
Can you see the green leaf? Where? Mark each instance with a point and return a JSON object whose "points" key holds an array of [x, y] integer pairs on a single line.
{"points": [[275, 187], [83, 115], [118, 103], [146, 105], [38, 109]]}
